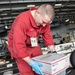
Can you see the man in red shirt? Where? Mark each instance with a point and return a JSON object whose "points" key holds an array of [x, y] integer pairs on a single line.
{"points": [[24, 34]]}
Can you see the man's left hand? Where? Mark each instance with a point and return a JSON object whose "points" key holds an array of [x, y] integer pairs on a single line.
{"points": [[51, 48]]}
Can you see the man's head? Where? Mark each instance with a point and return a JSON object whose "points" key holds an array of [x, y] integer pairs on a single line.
{"points": [[44, 14]]}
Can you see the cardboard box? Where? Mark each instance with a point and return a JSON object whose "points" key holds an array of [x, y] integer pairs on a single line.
{"points": [[53, 63], [62, 73]]}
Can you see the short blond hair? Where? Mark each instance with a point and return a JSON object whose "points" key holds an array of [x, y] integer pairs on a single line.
{"points": [[47, 9]]}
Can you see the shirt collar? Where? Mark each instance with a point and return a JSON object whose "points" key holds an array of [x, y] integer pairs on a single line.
{"points": [[32, 19]]}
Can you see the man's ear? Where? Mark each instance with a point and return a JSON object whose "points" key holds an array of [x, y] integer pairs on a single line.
{"points": [[37, 12]]}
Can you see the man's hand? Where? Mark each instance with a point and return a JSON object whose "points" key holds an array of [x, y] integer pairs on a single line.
{"points": [[36, 67], [51, 48]]}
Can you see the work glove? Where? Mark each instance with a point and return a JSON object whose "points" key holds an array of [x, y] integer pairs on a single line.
{"points": [[36, 67]]}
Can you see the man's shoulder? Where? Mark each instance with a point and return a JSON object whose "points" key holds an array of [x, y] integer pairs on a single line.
{"points": [[23, 17], [23, 14]]}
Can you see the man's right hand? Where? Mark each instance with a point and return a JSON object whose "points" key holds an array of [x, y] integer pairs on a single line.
{"points": [[36, 67]]}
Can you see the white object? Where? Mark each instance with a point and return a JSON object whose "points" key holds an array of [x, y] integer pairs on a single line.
{"points": [[33, 41], [8, 73], [31, 5], [9, 65], [53, 63], [58, 4]]}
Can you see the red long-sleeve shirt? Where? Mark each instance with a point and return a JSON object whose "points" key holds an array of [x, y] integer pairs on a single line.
{"points": [[22, 29]]}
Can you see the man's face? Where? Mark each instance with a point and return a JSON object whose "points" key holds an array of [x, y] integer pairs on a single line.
{"points": [[42, 20]]}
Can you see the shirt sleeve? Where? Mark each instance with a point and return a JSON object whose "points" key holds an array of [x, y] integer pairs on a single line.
{"points": [[19, 37], [47, 36]]}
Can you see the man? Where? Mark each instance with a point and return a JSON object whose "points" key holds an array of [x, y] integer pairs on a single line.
{"points": [[23, 38]]}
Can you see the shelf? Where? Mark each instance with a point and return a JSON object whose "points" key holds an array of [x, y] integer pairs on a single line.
{"points": [[55, 25], [9, 9], [25, 1]]}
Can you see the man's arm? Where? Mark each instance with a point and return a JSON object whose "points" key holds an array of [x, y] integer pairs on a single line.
{"points": [[48, 39], [27, 59]]}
